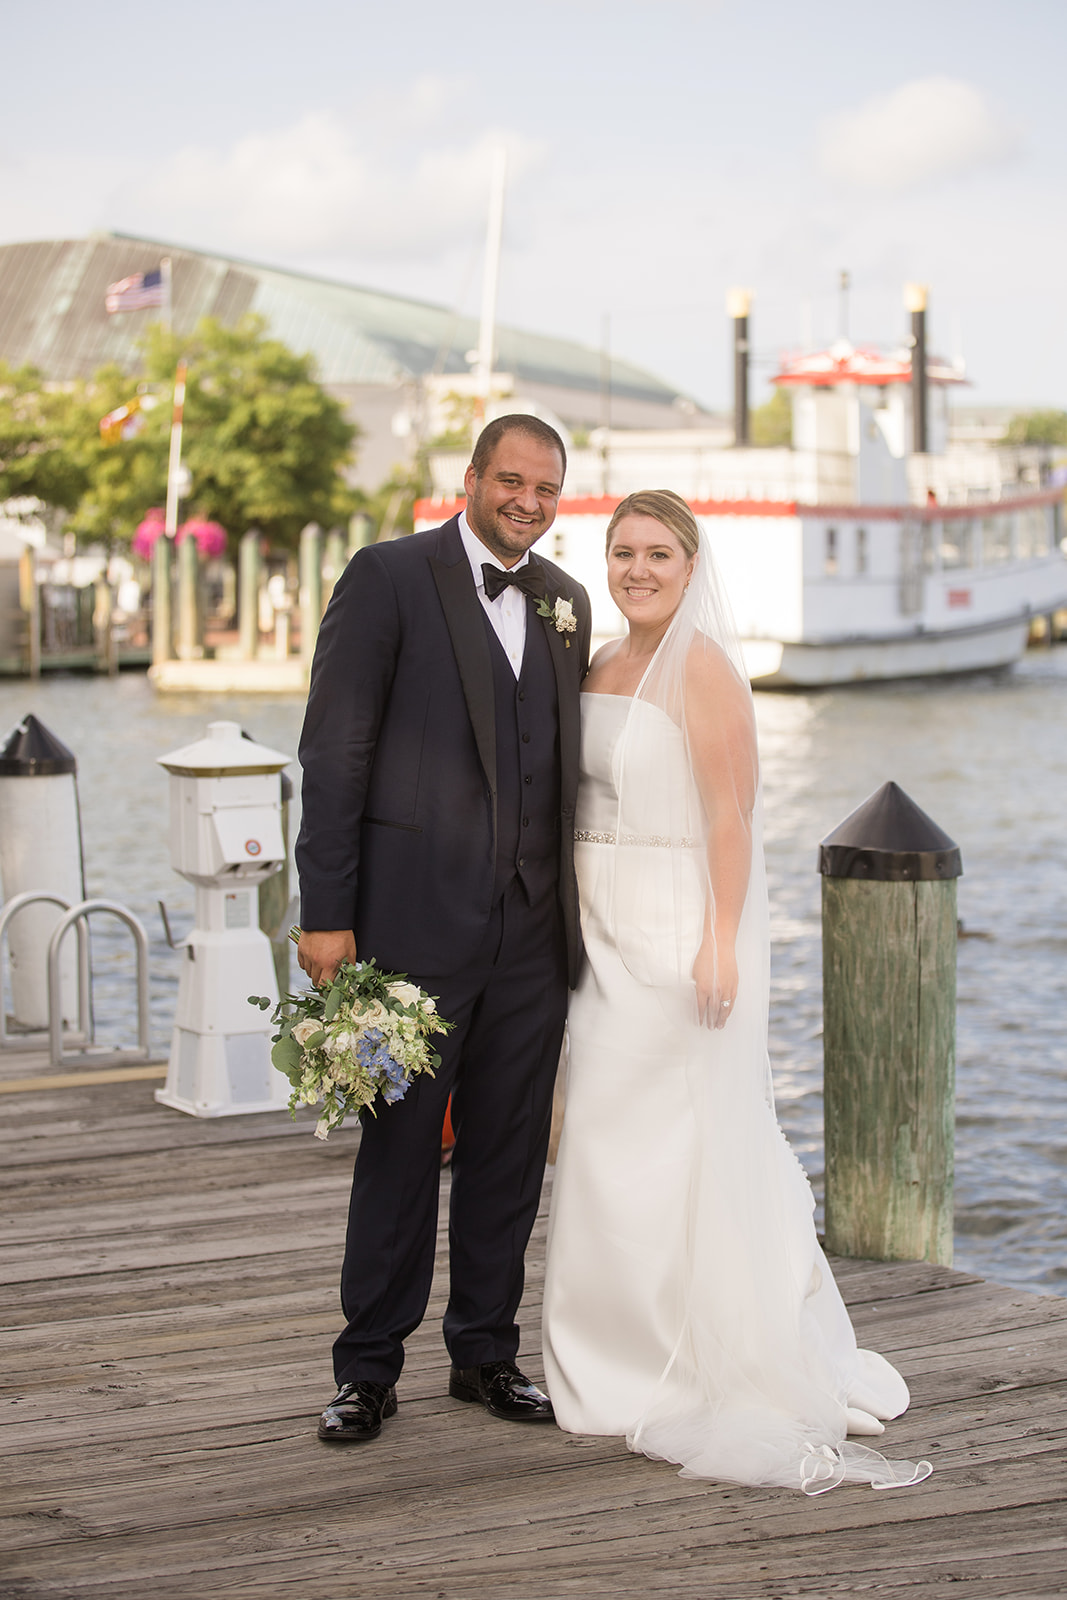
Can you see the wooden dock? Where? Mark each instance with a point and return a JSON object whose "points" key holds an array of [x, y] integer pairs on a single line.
{"points": [[170, 1302]]}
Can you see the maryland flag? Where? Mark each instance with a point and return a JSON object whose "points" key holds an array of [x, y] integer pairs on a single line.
{"points": [[122, 423]]}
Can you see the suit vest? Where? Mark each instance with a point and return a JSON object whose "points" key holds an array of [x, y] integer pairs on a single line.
{"points": [[527, 764]]}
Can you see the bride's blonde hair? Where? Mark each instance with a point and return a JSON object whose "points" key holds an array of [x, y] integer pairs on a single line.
{"points": [[662, 505]]}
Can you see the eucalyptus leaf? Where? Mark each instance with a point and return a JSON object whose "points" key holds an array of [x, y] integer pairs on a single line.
{"points": [[287, 1057]]}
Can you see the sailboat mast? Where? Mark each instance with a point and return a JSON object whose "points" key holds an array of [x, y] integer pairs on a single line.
{"points": [[490, 281]]}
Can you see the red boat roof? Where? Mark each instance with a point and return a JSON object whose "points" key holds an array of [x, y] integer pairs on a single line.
{"points": [[846, 363]]}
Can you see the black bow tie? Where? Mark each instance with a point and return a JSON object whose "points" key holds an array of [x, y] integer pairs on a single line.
{"points": [[528, 578]]}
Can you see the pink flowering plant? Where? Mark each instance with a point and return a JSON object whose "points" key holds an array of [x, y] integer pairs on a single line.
{"points": [[210, 537], [348, 1043]]}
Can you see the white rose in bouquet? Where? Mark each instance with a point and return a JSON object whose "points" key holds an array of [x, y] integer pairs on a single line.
{"points": [[339, 1044]]}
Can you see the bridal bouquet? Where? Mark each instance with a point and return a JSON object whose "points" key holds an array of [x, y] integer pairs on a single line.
{"points": [[361, 1036]]}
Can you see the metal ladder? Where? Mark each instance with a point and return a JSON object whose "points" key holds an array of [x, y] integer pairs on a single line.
{"points": [[77, 917]]}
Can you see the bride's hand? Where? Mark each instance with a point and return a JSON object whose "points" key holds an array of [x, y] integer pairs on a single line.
{"points": [[715, 976]]}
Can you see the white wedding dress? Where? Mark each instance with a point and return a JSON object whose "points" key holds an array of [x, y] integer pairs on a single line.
{"points": [[687, 1303]]}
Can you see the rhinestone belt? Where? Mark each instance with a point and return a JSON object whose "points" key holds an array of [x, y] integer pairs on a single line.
{"points": [[586, 836]]}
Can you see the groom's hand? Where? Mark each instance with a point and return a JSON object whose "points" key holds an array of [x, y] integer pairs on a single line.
{"points": [[320, 954]]}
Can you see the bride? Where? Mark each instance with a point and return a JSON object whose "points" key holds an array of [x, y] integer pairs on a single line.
{"points": [[687, 1303]]}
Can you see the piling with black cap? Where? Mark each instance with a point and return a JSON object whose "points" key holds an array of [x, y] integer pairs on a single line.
{"points": [[40, 852], [889, 1030]]}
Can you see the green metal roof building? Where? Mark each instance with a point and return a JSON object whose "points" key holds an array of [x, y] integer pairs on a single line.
{"points": [[381, 353]]}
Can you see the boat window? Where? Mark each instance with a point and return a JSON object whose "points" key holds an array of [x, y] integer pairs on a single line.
{"points": [[955, 544], [911, 569], [861, 551], [830, 558], [996, 540], [1031, 533]]}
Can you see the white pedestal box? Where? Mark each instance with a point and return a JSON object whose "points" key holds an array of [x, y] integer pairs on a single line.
{"points": [[226, 838]]}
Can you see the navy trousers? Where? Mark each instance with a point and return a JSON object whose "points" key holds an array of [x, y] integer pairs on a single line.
{"points": [[499, 1064]]}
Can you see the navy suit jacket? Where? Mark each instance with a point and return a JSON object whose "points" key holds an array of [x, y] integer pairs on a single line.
{"points": [[398, 750]]}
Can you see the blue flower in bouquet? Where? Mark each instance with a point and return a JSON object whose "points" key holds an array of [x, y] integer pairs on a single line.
{"points": [[396, 1083], [367, 1047]]}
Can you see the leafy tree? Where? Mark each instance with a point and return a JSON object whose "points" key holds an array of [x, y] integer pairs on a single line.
{"points": [[771, 425], [264, 443], [1037, 427], [34, 455], [122, 481], [458, 418]]}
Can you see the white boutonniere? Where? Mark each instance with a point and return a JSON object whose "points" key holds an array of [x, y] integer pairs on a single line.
{"points": [[561, 615]]}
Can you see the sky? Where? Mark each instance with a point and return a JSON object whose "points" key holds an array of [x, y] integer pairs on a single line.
{"points": [[659, 152]]}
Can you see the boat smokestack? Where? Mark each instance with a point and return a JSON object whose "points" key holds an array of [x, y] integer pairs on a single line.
{"points": [[738, 302], [915, 302]]}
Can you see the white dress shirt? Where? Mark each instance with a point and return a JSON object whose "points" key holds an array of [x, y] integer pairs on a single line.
{"points": [[507, 612]]}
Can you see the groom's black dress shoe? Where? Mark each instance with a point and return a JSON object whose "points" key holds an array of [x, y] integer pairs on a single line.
{"points": [[356, 1412], [503, 1390]]}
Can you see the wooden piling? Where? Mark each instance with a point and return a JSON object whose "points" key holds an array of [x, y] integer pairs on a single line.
{"points": [[360, 532], [190, 646], [162, 624], [248, 594], [334, 563], [30, 602], [889, 1031], [310, 588]]}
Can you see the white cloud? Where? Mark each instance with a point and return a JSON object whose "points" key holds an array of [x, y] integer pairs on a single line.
{"points": [[398, 183], [927, 129]]}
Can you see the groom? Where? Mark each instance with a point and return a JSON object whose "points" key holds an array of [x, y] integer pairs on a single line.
{"points": [[440, 761]]}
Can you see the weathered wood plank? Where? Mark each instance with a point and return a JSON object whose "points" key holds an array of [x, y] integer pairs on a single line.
{"points": [[159, 1412], [505, 1532]]}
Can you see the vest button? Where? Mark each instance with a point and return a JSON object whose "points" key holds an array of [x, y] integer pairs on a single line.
{"points": [[526, 738], [526, 822], [521, 861], [528, 778], [522, 694]]}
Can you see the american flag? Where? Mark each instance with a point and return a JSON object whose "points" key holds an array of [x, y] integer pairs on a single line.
{"points": [[136, 292]]}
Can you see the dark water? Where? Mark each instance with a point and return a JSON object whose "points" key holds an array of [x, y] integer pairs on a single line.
{"points": [[985, 757]]}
